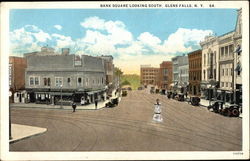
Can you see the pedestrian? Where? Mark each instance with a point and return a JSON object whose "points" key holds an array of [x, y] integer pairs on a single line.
{"points": [[186, 94], [96, 102], [74, 106], [157, 111]]}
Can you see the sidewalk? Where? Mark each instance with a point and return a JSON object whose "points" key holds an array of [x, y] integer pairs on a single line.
{"points": [[79, 107], [20, 132]]}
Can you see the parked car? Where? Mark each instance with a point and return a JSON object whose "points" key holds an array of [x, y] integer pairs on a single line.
{"points": [[124, 92], [112, 103]]}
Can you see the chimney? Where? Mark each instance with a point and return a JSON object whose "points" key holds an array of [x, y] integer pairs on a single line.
{"points": [[65, 51]]}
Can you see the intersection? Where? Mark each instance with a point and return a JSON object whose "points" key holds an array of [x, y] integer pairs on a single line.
{"points": [[129, 127]]}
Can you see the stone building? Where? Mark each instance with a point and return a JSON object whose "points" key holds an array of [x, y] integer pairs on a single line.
{"points": [[165, 75], [149, 75], [17, 67], [183, 70], [194, 59], [210, 66], [237, 38], [73, 77], [175, 70], [221, 66]]}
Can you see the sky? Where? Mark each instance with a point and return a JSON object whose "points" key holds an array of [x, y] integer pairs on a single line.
{"points": [[133, 37]]}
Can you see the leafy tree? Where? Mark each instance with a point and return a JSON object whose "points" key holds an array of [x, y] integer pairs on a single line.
{"points": [[125, 83]]}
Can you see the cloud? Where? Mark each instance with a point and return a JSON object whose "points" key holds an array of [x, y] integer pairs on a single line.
{"points": [[63, 41], [106, 37], [115, 31], [58, 27], [149, 39], [178, 41]]}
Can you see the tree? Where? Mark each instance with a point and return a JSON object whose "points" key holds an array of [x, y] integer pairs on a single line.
{"points": [[125, 83], [118, 72]]}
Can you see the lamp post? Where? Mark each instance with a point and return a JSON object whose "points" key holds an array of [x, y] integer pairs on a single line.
{"points": [[61, 95]]}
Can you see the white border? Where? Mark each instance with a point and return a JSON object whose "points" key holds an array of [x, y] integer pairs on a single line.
{"points": [[6, 155]]}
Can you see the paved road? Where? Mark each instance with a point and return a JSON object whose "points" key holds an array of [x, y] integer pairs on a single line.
{"points": [[129, 127]]}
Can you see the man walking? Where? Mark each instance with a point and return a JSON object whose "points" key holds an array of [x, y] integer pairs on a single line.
{"points": [[74, 106], [96, 102]]}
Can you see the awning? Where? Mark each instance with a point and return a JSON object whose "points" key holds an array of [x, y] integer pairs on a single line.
{"points": [[56, 93], [238, 50], [238, 68]]}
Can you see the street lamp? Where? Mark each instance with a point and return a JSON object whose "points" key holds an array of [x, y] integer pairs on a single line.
{"points": [[61, 95]]}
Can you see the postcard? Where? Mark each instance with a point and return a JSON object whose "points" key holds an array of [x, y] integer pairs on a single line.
{"points": [[124, 80]]}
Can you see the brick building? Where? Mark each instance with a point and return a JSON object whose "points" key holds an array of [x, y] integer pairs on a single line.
{"points": [[194, 59], [17, 67], [149, 75], [165, 75]]}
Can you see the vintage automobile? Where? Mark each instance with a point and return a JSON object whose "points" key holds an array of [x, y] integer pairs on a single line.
{"points": [[226, 104], [195, 100], [124, 92], [112, 103]]}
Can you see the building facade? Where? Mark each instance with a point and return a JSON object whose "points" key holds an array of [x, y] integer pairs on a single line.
{"points": [[175, 76], [210, 66], [183, 70], [149, 75], [17, 66], [165, 75], [194, 59], [50, 77], [237, 38]]}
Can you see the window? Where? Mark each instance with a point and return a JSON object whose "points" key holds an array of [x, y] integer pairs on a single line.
{"points": [[204, 59], [226, 84], [231, 49], [226, 72], [58, 81], [102, 80], [214, 73], [48, 81], [222, 51], [79, 81], [204, 74], [31, 81], [45, 82], [222, 72], [68, 81], [226, 51], [36, 81]]}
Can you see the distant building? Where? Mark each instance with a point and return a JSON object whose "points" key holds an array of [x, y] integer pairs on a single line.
{"points": [[165, 75], [17, 67], [183, 70], [194, 59], [175, 70], [180, 73], [149, 75], [74, 77], [109, 68]]}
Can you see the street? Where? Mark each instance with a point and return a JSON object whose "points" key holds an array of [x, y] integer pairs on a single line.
{"points": [[129, 127]]}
